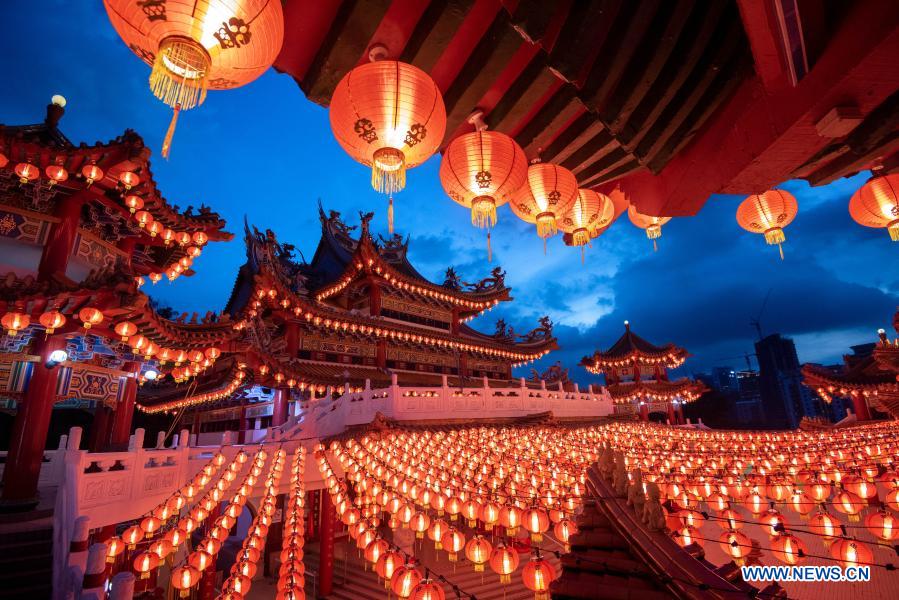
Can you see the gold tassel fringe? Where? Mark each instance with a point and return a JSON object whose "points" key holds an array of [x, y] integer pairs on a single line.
{"points": [[179, 73], [894, 231], [390, 216], [654, 231], [388, 170], [170, 133], [580, 237], [489, 249], [546, 225], [775, 235], [483, 212]]}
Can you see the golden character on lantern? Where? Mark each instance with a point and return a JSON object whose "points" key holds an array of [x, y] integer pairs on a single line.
{"points": [[548, 193], [652, 225], [768, 213], [388, 115], [193, 46]]}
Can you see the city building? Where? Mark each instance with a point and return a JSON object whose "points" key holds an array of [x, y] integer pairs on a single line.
{"points": [[784, 399]]}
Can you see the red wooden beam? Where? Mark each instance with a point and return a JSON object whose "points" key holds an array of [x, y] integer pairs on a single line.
{"points": [[762, 135], [760, 23]]}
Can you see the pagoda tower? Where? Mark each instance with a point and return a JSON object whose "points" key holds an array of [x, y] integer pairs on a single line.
{"points": [[637, 378]]}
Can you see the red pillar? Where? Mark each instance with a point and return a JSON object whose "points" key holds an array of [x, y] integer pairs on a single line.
{"points": [[279, 406], [679, 411], [124, 412], [671, 418], [242, 423], [860, 407], [454, 322], [326, 562], [292, 337], [55, 257], [374, 297], [99, 433], [381, 354], [311, 497], [29, 431], [644, 412]]}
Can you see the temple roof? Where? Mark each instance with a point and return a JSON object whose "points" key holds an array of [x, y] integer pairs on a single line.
{"points": [[630, 347]]}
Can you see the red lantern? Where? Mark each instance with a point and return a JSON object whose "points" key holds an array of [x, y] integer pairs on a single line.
{"points": [[735, 544], [428, 589], [536, 521], [134, 203], [91, 173], [590, 213], [26, 172], [129, 179], [52, 320], [143, 218], [481, 170], [652, 225], [13, 322], [564, 529], [199, 238], [547, 195], [851, 552], [876, 204], [453, 541], [504, 562], [404, 580], [145, 562], [387, 564], [788, 549], [114, 547], [56, 173], [194, 47], [90, 316], [478, 551], [537, 575], [132, 536], [768, 213], [125, 329], [883, 524]]}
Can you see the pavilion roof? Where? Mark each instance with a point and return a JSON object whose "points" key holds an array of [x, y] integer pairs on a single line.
{"points": [[653, 390], [630, 348], [105, 214]]}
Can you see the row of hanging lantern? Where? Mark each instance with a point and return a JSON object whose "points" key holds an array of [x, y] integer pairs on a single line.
{"points": [[237, 380], [184, 577], [818, 476], [17, 320], [247, 559], [847, 473], [146, 562], [450, 537], [292, 572]]}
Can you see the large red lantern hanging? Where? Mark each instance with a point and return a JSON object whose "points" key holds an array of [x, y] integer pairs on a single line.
{"points": [[52, 320], [652, 225], [503, 562], [390, 116], [590, 212], [876, 204], [195, 46], [14, 322], [537, 575], [481, 170], [768, 213], [546, 196]]}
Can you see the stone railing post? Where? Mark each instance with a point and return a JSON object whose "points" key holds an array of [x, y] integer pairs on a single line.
{"points": [[95, 573], [78, 545], [63, 442], [391, 407], [366, 392], [122, 587], [445, 403], [183, 438], [174, 444], [160, 440], [226, 438], [74, 440]]}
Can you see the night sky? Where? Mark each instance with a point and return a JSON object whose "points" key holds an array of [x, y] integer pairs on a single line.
{"points": [[263, 151]]}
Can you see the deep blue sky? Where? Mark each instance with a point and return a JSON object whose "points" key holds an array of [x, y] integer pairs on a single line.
{"points": [[266, 152]]}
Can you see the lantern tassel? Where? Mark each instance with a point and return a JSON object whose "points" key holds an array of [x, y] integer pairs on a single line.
{"points": [[582, 255], [544, 246], [781, 248], [390, 216], [489, 248], [170, 133], [655, 246]]}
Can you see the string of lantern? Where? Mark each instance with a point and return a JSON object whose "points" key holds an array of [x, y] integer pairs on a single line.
{"points": [[165, 548], [184, 577], [291, 574], [247, 559]]}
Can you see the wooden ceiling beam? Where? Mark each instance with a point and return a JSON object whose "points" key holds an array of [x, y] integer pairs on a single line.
{"points": [[633, 22], [573, 137], [676, 115], [434, 32], [585, 28], [346, 42], [541, 129], [518, 101], [687, 52], [646, 66], [592, 150], [485, 64], [532, 19]]}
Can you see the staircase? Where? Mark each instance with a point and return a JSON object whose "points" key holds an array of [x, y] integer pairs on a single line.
{"points": [[352, 581], [26, 560]]}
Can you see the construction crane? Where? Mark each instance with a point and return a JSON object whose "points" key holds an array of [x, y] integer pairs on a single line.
{"points": [[756, 322]]}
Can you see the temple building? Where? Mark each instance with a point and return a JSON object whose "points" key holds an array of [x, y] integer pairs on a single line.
{"points": [[636, 373], [356, 315], [868, 378]]}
